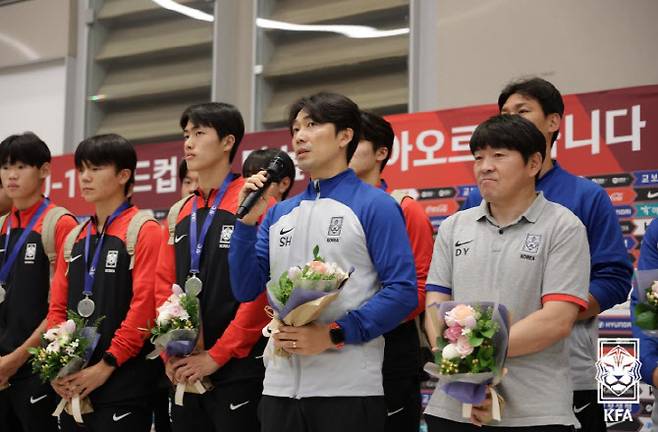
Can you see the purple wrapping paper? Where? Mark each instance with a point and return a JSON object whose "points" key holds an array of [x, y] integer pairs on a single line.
{"points": [[179, 348], [298, 297]]}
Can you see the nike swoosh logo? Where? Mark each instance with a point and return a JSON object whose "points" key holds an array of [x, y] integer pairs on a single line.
{"points": [[117, 418], [390, 413], [457, 243], [285, 231], [33, 400], [179, 238], [234, 407], [652, 195], [259, 357], [2, 250], [578, 410], [75, 257]]}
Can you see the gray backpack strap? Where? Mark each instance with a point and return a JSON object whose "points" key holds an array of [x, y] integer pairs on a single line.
{"points": [[172, 217], [135, 225], [399, 195], [48, 231], [70, 240], [3, 219]]}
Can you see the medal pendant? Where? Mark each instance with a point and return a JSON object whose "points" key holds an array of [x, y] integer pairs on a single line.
{"points": [[86, 307], [193, 285]]}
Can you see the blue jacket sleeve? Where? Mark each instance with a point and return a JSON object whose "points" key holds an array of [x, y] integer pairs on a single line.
{"points": [[389, 249], [612, 270], [249, 259], [472, 200], [648, 345]]}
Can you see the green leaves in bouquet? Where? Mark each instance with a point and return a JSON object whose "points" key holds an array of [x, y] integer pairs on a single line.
{"points": [[646, 317], [316, 254], [283, 289], [191, 305], [48, 364]]}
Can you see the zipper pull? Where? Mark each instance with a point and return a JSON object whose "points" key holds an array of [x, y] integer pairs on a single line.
{"points": [[316, 186]]}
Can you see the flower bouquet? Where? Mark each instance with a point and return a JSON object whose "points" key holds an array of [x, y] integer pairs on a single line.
{"points": [[300, 294], [65, 350], [471, 350], [177, 332], [645, 284]]}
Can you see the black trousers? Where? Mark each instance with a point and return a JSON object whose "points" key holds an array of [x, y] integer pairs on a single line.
{"points": [[231, 408], [322, 414], [588, 411], [130, 416], [436, 424], [27, 406]]}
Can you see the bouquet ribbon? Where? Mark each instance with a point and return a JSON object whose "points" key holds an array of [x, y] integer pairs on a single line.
{"points": [[75, 407], [197, 387]]}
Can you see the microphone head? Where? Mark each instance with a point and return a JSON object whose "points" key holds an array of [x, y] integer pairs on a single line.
{"points": [[275, 169]]}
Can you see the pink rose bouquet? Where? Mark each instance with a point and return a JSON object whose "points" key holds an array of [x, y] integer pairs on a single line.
{"points": [[470, 350]]}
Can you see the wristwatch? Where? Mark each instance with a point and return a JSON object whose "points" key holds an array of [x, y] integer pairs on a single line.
{"points": [[337, 335], [109, 358]]}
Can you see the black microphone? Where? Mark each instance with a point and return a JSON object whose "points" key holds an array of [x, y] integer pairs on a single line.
{"points": [[273, 175]]}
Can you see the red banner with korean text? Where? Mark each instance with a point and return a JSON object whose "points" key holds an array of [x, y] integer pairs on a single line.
{"points": [[609, 136]]}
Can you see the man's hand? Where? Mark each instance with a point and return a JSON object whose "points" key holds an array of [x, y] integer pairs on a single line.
{"points": [[254, 183], [481, 414], [61, 388], [170, 369], [87, 380], [194, 367], [10, 363], [310, 339]]}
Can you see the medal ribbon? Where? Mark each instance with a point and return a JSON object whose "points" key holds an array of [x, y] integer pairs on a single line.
{"points": [[90, 272], [196, 247], [6, 266]]}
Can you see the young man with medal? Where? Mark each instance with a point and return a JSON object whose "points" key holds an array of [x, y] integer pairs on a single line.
{"points": [[32, 234], [332, 381], [106, 272], [194, 255]]}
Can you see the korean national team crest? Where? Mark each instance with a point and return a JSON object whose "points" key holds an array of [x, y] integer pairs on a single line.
{"points": [[111, 259], [531, 244], [30, 253], [335, 226], [618, 371], [225, 236]]}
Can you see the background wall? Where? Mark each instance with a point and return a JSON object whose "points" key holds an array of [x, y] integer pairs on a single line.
{"points": [[37, 38], [580, 46], [33, 98]]}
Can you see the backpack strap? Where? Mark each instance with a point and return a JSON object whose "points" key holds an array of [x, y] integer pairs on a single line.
{"points": [[71, 238], [48, 231], [172, 217], [134, 226], [399, 195], [3, 219]]}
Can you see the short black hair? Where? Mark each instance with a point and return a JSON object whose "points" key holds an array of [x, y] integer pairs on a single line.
{"points": [[332, 108], [108, 149], [545, 93], [27, 148], [258, 160], [511, 132], [379, 132], [223, 117], [182, 170]]}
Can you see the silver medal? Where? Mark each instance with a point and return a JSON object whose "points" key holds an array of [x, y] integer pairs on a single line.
{"points": [[86, 307], [3, 293], [193, 285]]}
